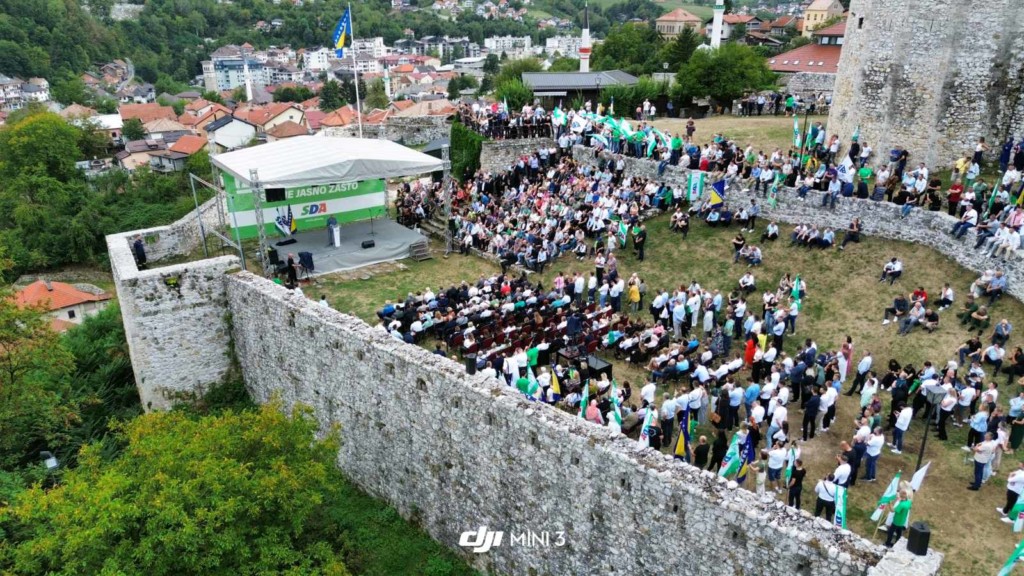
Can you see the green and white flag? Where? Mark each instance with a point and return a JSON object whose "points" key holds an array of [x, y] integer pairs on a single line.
{"points": [[695, 188], [652, 143], [558, 116], [856, 134], [584, 398], [1017, 516], [888, 496], [732, 462], [790, 464], [626, 129], [795, 293], [623, 232], [645, 430], [1008, 567], [796, 132], [616, 411], [840, 507]]}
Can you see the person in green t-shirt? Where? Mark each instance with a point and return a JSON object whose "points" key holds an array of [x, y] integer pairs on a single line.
{"points": [[863, 183], [900, 515]]}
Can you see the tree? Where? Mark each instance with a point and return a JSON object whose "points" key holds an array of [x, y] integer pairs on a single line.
{"points": [[630, 47], [69, 90], [796, 42], [238, 95], [234, 493], [515, 92], [492, 64], [738, 33], [514, 69], [376, 96], [211, 96], [724, 74], [331, 96], [42, 143], [133, 129], [290, 94], [564, 65], [486, 85], [466, 146], [678, 51]]}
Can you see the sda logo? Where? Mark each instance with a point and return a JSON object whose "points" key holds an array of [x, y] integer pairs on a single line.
{"points": [[311, 209], [482, 540]]}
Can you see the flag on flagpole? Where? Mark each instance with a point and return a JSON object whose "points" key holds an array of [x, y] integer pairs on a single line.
{"points": [[790, 463], [584, 399], [717, 196], [342, 32], [845, 170], [556, 388], [623, 232], [695, 186], [611, 107], [652, 143], [1008, 567], [558, 116], [533, 386], [600, 139], [616, 412], [840, 518], [748, 457], [796, 131], [856, 134], [645, 431], [731, 462], [888, 496], [795, 293], [683, 443], [918, 478], [292, 224]]}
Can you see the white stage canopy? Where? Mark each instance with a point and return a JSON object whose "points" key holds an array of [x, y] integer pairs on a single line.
{"points": [[308, 160]]}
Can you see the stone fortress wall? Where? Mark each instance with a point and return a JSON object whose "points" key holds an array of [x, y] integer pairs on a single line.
{"points": [[931, 76], [407, 130], [499, 155], [878, 219], [455, 452]]}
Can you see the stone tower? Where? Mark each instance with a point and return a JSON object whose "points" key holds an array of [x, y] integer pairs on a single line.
{"points": [[930, 76]]}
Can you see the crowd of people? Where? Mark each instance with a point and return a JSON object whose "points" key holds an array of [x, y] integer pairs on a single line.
{"points": [[719, 359]]}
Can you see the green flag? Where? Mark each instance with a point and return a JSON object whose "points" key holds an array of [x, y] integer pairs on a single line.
{"points": [[585, 398], [1016, 516], [731, 463], [888, 496], [1008, 567], [695, 186], [795, 293], [616, 412], [840, 507], [790, 464], [796, 132]]}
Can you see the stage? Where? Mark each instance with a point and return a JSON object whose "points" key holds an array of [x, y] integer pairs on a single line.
{"points": [[392, 243]]}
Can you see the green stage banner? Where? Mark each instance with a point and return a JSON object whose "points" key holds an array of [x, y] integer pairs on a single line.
{"points": [[306, 207]]}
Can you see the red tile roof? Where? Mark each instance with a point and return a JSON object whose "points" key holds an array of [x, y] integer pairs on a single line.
{"points": [[808, 58], [287, 129], [58, 296], [837, 29], [311, 104], [197, 105], [314, 117], [680, 15], [738, 18], [341, 117], [189, 144], [61, 325], [146, 112], [260, 116]]}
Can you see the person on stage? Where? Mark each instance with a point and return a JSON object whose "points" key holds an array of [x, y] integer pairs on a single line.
{"points": [[332, 223]]}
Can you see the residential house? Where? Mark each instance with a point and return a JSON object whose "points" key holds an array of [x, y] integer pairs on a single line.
{"points": [[785, 26], [78, 111], [112, 124], [139, 94], [199, 123], [67, 305], [11, 97], [267, 117], [820, 56], [286, 129], [317, 59], [672, 24], [188, 95], [138, 153], [174, 158], [313, 118], [373, 46], [831, 35], [92, 80], [146, 112], [229, 133], [819, 13], [158, 128], [731, 21], [283, 73], [362, 63], [36, 90]]}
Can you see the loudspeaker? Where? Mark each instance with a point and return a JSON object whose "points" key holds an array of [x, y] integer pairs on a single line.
{"points": [[368, 244], [275, 258], [470, 360], [918, 537], [275, 194]]}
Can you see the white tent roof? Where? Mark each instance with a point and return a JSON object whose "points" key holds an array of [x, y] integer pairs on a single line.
{"points": [[306, 160]]}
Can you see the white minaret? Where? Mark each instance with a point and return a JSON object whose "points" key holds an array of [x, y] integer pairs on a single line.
{"points": [[387, 83], [716, 25], [585, 41], [248, 77]]}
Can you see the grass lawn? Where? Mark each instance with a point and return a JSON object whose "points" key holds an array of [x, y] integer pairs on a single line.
{"points": [[766, 132], [844, 299]]}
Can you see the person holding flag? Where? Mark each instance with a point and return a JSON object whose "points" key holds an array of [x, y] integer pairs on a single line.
{"points": [[683, 450], [795, 474], [887, 498], [900, 516], [1007, 568]]}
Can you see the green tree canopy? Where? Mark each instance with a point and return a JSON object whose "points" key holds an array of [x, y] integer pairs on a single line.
{"points": [[679, 50], [376, 96], [564, 65], [234, 493], [132, 129], [513, 69], [515, 93], [630, 47], [331, 97], [724, 74]]}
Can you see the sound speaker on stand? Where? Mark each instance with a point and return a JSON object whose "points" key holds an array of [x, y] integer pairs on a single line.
{"points": [[369, 244], [470, 360]]}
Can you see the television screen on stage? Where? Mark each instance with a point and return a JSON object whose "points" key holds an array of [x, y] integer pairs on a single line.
{"points": [[305, 207]]}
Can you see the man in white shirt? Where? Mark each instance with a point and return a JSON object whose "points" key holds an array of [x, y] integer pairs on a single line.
{"points": [[902, 425], [863, 367], [647, 392], [874, 450], [828, 409], [778, 417], [826, 491], [983, 453], [842, 473]]}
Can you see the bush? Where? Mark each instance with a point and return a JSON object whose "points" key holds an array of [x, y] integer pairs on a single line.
{"points": [[466, 146]]}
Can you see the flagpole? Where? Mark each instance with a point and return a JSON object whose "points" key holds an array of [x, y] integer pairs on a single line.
{"points": [[355, 71]]}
